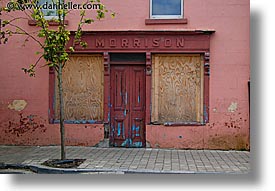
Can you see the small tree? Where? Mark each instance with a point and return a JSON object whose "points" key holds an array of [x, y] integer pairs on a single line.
{"points": [[53, 42]]}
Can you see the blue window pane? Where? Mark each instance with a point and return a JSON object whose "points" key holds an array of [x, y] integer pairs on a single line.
{"points": [[46, 4], [166, 7]]}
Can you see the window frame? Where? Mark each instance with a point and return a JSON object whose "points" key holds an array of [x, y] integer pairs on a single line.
{"points": [[166, 16]]}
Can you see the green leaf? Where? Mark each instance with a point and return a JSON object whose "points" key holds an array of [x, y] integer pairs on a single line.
{"points": [[113, 15], [5, 22], [88, 21], [83, 44], [82, 13], [71, 49], [100, 15]]}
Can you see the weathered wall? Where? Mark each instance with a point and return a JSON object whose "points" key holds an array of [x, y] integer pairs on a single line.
{"points": [[25, 126], [230, 66], [229, 118], [29, 125], [24, 103]]}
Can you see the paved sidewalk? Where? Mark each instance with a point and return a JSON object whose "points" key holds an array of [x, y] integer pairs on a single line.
{"points": [[125, 160]]}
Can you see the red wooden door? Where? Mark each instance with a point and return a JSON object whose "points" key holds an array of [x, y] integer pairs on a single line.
{"points": [[127, 106]]}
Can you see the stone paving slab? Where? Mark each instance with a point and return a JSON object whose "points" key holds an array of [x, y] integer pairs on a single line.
{"points": [[134, 160]]}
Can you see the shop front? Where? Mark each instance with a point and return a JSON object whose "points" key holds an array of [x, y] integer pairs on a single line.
{"points": [[133, 80]]}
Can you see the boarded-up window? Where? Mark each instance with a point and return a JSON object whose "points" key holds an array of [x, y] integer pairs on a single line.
{"points": [[83, 88], [177, 92]]}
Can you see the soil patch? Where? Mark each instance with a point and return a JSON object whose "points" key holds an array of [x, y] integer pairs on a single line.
{"points": [[68, 163]]}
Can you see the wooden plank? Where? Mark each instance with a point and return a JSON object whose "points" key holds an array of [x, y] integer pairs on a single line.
{"points": [[177, 88], [155, 88], [83, 85], [202, 89]]}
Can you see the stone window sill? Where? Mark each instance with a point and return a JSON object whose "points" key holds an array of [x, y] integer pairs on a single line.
{"points": [[180, 124], [165, 21]]}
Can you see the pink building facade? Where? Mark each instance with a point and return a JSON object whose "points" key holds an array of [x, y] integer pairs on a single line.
{"points": [[146, 79]]}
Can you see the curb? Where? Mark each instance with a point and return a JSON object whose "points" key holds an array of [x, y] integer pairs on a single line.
{"points": [[39, 169]]}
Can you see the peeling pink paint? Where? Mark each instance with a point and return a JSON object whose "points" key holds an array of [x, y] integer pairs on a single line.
{"points": [[19, 128]]}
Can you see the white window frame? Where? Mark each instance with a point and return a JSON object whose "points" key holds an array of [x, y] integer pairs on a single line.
{"points": [[165, 16]]}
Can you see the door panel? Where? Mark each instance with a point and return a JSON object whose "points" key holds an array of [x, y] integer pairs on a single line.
{"points": [[127, 106], [119, 118], [137, 106]]}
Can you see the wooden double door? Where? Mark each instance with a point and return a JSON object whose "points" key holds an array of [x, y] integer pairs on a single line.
{"points": [[127, 106]]}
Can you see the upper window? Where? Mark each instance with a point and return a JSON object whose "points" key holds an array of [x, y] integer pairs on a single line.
{"points": [[49, 8], [166, 9]]}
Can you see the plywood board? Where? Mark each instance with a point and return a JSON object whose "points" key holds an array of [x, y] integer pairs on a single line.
{"points": [[177, 88], [83, 87]]}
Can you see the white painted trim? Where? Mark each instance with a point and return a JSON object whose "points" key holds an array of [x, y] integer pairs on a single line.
{"points": [[51, 17], [165, 16]]}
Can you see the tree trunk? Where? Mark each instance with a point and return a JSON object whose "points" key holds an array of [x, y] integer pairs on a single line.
{"points": [[61, 107]]}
